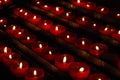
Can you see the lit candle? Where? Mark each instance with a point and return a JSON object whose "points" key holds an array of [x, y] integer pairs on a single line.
{"points": [[63, 61], [90, 5], [116, 35], [19, 68], [95, 26], [78, 2], [57, 29], [35, 19], [39, 47], [6, 2], [79, 70], [98, 49], [19, 11], [68, 15], [102, 10], [45, 6], [83, 20], [107, 30], [83, 43], [45, 24], [3, 21], [35, 73], [57, 10], [117, 15], [37, 3], [98, 76]]}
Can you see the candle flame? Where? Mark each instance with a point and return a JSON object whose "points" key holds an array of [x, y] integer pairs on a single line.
{"points": [[10, 56], [34, 17], [106, 29], [19, 32], [20, 65], [83, 42], [64, 59], [94, 24], [83, 18], [5, 49], [28, 38], [88, 5], [68, 36], [102, 9], [26, 13], [57, 8], [40, 46], [118, 14], [45, 24], [99, 79], [38, 2], [81, 69], [34, 72], [78, 1], [21, 10], [14, 27], [119, 32], [68, 13], [97, 48], [1, 20], [50, 52], [5, 0], [45, 6], [5, 26], [56, 28]]}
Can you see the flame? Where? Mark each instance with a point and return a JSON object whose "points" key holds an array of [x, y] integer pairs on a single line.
{"points": [[68, 36], [106, 29], [68, 13], [20, 65], [78, 1], [102, 9], [94, 24], [99, 79], [45, 6], [118, 14], [28, 38], [97, 48], [34, 72], [81, 69], [50, 52], [45, 24], [83, 42], [26, 13], [83, 18], [34, 17], [5, 0], [19, 32], [1, 20], [119, 32], [87, 5], [21, 10], [40, 46], [56, 28], [10, 56], [38, 2], [14, 27], [64, 59], [5, 49], [57, 8]]}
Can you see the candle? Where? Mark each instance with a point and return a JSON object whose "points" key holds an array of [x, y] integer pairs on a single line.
{"points": [[107, 30], [63, 61], [78, 2], [19, 11], [98, 49], [95, 26], [57, 29], [39, 47], [3, 21], [98, 76], [10, 59], [117, 15], [57, 10], [69, 37], [116, 35], [90, 5], [35, 19], [37, 3], [1, 3], [19, 68], [83, 43], [102, 9], [45, 24], [68, 15], [45, 6], [83, 20], [35, 73], [28, 39], [7, 2], [79, 70], [4, 51]]}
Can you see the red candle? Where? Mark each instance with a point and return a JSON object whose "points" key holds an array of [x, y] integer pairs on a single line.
{"points": [[7, 2], [117, 15], [37, 3], [98, 76], [79, 70], [35, 74], [10, 59], [45, 6], [39, 47], [34, 18], [28, 39], [90, 5], [12, 29], [3, 21], [83, 43], [4, 51], [102, 9], [78, 2], [19, 11], [25, 15], [63, 61], [57, 29], [19, 68], [1, 2], [116, 35], [69, 37], [68, 15], [57, 10], [83, 20], [98, 49], [95, 26], [45, 24], [107, 30]]}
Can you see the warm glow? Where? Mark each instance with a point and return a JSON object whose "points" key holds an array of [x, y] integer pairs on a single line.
{"points": [[87, 5], [83, 18], [68, 13], [99, 79], [94, 24], [78, 1], [34, 72], [34, 17], [50, 52], [28, 38], [118, 14], [38, 2], [81, 69], [14, 27], [40, 46], [68, 36], [19, 32], [45, 24], [57, 8], [56, 28], [106, 29], [5, 26], [83, 42], [26, 13], [1, 20], [97, 48], [64, 59], [10, 56], [119, 32], [102, 9], [5, 49], [20, 65], [21, 10], [5, 0], [45, 6]]}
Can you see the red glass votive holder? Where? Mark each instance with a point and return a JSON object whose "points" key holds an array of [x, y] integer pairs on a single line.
{"points": [[45, 24], [89, 5], [57, 29], [98, 49], [10, 59], [83, 20], [98, 76], [35, 73], [28, 39], [57, 10], [68, 15], [39, 47], [63, 61], [79, 70], [69, 37], [102, 9], [3, 21], [107, 30], [78, 2], [83, 43], [116, 35], [19, 68], [4, 51]]}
